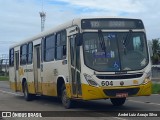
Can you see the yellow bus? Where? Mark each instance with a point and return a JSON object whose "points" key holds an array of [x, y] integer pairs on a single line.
{"points": [[84, 59]]}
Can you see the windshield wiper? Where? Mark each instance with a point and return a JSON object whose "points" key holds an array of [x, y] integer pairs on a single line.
{"points": [[128, 37], [101, 41]]}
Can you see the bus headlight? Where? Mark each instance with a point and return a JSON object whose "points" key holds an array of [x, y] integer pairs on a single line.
{"points": [[90, 80], [147, 78]]}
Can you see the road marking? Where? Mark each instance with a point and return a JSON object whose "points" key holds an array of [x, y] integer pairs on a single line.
{"points": [[119, 118], [10, 93], [155, 94], [144, 102], [102, 114]]}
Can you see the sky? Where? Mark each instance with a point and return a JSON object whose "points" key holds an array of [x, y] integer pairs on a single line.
{"points": [[20, 19]]}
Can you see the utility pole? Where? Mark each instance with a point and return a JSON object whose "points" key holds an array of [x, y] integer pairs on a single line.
{"points": [[43, 18]]}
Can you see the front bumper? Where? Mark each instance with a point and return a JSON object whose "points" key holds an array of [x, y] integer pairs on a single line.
{"points": [[90, 92]]}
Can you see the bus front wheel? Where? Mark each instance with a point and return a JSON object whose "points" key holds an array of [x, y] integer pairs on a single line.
{"points": [[118, 101], [67, 102]]}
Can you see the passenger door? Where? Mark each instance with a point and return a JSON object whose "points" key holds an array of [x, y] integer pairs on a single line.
{"points": [[17, 81], [37, 70], [75, 67]]}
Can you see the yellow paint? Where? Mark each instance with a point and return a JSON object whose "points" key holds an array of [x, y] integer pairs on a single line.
{"points": [[49, 89], [39, 87], [68, 88], [135, 82], [21, 71], [31, 88], [145, 90], [90, 92], [13, 86], [69, 92], [16, 87]]}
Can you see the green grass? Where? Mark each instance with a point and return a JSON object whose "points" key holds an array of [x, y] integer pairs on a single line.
{"points": [[155, 88], [4, 78]]}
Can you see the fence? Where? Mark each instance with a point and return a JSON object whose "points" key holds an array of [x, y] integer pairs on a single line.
{"points": [[4, 64]]}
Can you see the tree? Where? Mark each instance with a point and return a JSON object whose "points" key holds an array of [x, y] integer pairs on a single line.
{"points": [[155, 48], [1, 61]]}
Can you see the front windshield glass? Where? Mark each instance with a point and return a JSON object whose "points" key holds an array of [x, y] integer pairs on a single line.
{"points": [[115, 51]]}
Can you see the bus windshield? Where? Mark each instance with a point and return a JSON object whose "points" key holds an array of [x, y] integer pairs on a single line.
{"points": [[124, 51]]}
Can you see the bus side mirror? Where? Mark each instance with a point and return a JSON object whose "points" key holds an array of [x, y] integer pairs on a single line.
{"points": [[150, 49], [79, 39]]}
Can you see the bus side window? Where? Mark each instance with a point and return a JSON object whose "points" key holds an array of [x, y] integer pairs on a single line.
{"points": [[30, 53], [42, 49], [49, 48], [61, 45], [11, 57], [23, 54]]}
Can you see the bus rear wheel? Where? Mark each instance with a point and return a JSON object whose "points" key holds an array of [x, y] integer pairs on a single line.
{"points": [[67, 102], [118, 101], [27, 95]]}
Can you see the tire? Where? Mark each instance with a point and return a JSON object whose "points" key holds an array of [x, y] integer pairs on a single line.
{"points": [[67, 102], [27, 95], [118, 101]]}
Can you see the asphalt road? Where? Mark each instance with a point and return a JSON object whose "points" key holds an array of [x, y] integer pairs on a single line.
{"points": [[97, 109]]}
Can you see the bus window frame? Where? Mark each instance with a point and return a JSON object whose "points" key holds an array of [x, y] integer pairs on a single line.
{"points": [[44, 49], [29, 62], [63, 46], [11, 57], [21, 63]]}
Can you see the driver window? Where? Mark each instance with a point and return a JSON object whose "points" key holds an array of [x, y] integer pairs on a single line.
{"points": [[137, 43]]}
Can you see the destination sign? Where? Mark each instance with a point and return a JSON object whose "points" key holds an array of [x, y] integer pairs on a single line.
{"points": [[111, 23]]}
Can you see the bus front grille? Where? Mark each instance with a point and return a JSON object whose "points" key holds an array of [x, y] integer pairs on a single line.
{"points": [[129, 76]]}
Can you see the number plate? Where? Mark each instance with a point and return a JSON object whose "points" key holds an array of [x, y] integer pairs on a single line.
{"points": [[120, 95]]}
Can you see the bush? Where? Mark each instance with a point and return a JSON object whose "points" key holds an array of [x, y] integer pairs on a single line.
{"points": [[156, 88], [2, 73]]}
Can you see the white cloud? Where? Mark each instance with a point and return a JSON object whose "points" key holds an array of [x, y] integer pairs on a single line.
{"points": [[114, 5], [147, 10]]}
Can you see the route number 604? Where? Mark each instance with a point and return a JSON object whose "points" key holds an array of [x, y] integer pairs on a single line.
{"points": [[107, 83]]}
